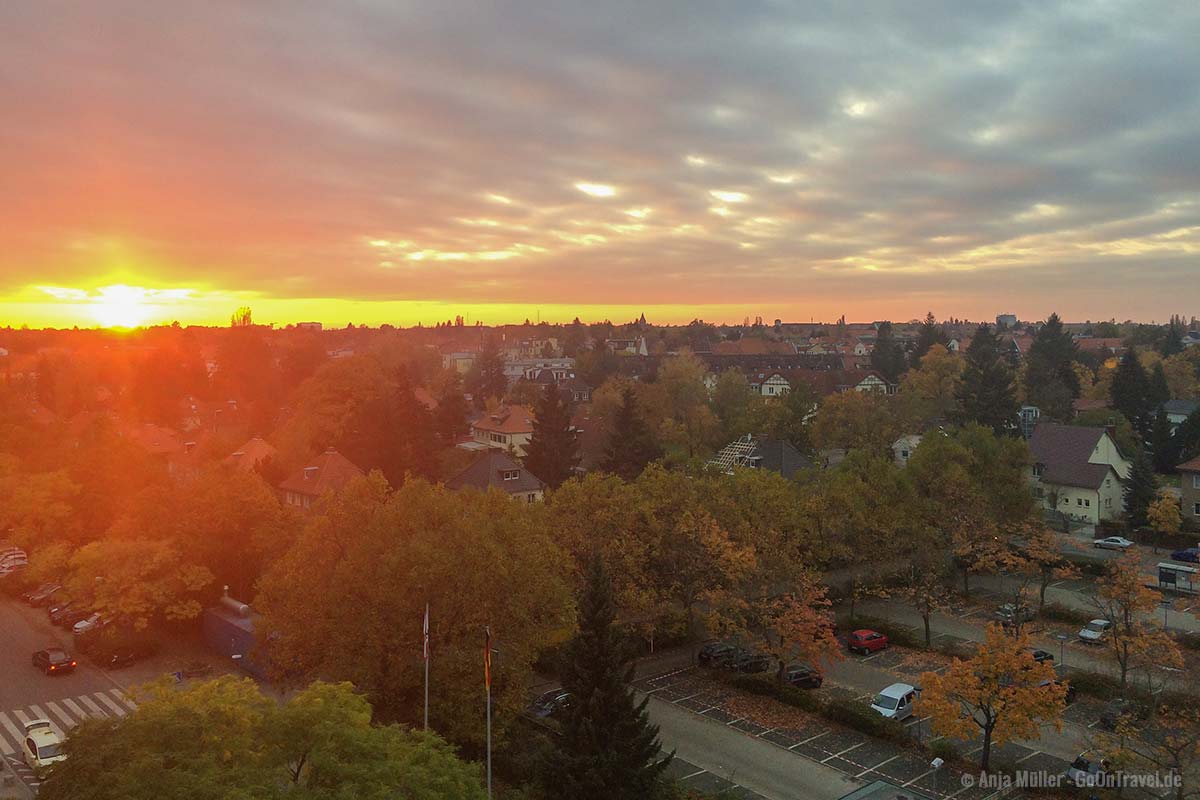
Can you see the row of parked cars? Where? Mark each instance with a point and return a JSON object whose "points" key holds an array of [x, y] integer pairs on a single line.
{"points": [[106, 644], [12, 560], [1188, 555]]}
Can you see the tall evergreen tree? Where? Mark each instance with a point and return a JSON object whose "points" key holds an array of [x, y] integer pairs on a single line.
{"points": [[1130, 393], [987, 394], [1159, 391], [486, 378], [631, 445], [929, 334], [1162, 444], [394, 433], [887, 358], [1173, 337], [1050, 380], [450, 418], [553, 450], [608, 747], [1140, 490]]}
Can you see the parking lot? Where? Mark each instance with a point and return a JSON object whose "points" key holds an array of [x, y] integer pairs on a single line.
{"points": [[808, 736]]}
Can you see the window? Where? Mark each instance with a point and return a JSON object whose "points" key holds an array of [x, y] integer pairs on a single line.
{"points": [[1196, 481], [1087, 503], [904, 454], [1039, 493], [1108, 502], [1196, 509], [1078, 501], [511, 475], [1037, 470]]}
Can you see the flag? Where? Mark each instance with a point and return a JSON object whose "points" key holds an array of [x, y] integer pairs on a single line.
{"points": [[425, 635], [487, 657]]}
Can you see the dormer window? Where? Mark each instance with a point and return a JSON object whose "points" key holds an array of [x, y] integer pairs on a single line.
{"points": [[511, 474]]}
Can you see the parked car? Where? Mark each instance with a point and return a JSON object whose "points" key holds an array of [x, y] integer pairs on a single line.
{"points": [[550, 704], [73, 616], [42, 746], [88, 623], [866, 641], [1041, 655], [1190, 555], [1113, 543], [803, 676], [1119, 709], [716, 654], [41, 595], [1088, 769], [896, 701], [1010, 614], [59, 608], [1060, 681], [747, 661], [53, 661], [1095, 632], [122, 654]]}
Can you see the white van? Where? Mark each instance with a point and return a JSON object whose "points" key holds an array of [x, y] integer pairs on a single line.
{"points": [[896, 701]]}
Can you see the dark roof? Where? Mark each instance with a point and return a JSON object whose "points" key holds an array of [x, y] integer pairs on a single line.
{"points": [[1184, 407], [1064, 450], [330, 470], [488, 472], [1190, 466], [779, 455]]}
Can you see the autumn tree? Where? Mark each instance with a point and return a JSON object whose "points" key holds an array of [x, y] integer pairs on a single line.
{"points": [[856, 421], [690, 424], [631, 445], [1168, 742], [930, 391], [319, 744], [929, 335], [986, 393], [1043, 557], [1000, 693], [1164, 515], [347, 599], [739, 408], [788, 417], [553, 450], [923, 587], [789, 627], [1050, 380], [608, 748], [1124, 599]]}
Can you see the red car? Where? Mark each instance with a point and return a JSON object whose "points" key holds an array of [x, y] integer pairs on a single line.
{"points": [[866, 641]]}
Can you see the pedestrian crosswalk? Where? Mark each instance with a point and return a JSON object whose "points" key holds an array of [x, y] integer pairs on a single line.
{"points": [[63, 714]]}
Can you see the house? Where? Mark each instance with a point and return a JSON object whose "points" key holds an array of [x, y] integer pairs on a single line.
{"points": [[1179, 410], [506, 427], [761, 452], [308, 326], [753, 346], [1078, 471], [825, 382], [327, 472], [1006, 321], [495, 469], [1189, 483], [904, 447], [773, 385], [460, 362], [628, 347], [250, 455]]}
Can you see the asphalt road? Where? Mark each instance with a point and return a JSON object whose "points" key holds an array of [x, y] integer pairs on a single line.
{"points": [[753, 763]]}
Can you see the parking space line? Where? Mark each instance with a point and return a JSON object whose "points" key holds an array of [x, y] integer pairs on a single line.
{"points": [[847, 750], [103, 698], [5, 747], [689, 697], [877, 766], [96, 710], [739, 719], [1031, 755], [23, 718], [809, 739], [694, 774], [914, 780]]}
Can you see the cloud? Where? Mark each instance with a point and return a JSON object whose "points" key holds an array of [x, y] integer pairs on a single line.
{"points": [[464, 152]]}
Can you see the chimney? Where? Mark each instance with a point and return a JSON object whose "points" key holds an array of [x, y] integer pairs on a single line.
{"points": [[310, 473], [189, 447]]}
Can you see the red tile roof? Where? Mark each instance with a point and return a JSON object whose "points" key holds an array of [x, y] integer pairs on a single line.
{"points": [[249, 455], [507, 419], [329, 471], [155, 439], [1190, 466]]}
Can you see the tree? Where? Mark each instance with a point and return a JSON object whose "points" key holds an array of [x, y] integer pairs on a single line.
{"points": [[1001, 693], [609, 748], [929, 392], [690, 423], [346, 600], [789, 627], [1130, 393], [1159, 390], [887, 358], [1050, 380], [553, 450], [1140, 489], [856, 421], [1164, 514], [986, 394], [929, 333], [224, 738], [788, 417], [450, 418], [394, 433], [1044, 557], [631, 446], [738, 407], [242, 318], [1168, 742], [1162, 445], [1124, 599], [486, 379], [922, 586]]}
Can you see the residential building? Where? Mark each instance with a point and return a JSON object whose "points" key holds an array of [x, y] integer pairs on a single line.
{"points": [[508, 427], [1179, 410], [904, 447], [461, 362], [1189, 483], [251, 454], [327, 472], [629, 347], [495, 469], [308, 326], [1006, 320], [761, 452], [1078, 471]]}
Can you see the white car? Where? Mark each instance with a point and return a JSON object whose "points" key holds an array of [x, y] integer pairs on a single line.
{"points": [[1095, 631], [896, 701], [1113, 543], [85, 625], [42, 746]]}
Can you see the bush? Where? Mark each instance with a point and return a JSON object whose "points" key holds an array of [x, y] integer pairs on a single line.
{"points": [[1061, 613], [945, 750], [1094, 683], [1088, 566], [769, 687]]}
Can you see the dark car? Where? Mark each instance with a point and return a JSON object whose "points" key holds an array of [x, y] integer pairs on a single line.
{"points": [[1070, 696], [803, 677], [122, 655], [72, 615], [1040, 656], [53, 661], [550, 704], [1191, 555], [41, 595], [716, 654], [59, 609], [746, 661], [1122, 709]]}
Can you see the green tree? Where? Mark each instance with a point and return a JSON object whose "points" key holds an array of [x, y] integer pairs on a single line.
{"points": [[609, 749], [929, 333], [738, 407], [788, 417], [1130, 393], [929, 391], [856, 421], [553, 450], [987, 394], [1162, 444], [631, 445], [1050, 380], [1140, 489], [486, 379], [394, 433], [887, 358], [450, 418]]}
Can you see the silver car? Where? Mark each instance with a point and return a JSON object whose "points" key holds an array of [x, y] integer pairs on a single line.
{"points": [[1095, 632]]}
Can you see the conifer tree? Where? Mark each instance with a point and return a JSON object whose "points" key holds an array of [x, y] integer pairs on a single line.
{"points": [[1130, 393], [929, 334], [1050, 380], [888, 356], [987, 394], [1140, 489], [450, 418], [1159, 391], [631, 446], [553, 450], [609, 749], [486, 378], [1161, 443]]}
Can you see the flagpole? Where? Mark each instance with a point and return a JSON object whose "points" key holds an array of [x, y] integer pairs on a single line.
{"points": [[425, 651], [487, 662]]}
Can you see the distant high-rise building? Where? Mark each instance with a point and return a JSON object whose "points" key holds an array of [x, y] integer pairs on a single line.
{"points": [[1006, 320]]}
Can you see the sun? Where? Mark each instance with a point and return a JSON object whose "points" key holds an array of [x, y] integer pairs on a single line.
{"points": [[120, 306]]}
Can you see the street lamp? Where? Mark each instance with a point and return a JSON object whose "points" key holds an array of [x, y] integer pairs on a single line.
{"points": [[1062, 647]]}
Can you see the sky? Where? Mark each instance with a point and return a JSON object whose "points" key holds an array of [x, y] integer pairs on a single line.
{"points": [[400, 161]]}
